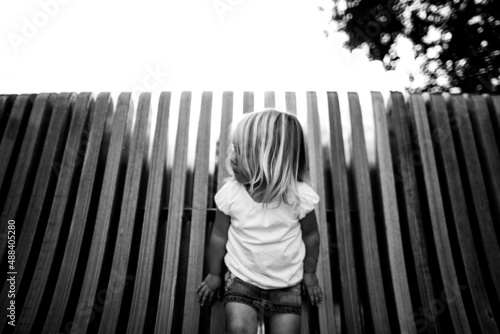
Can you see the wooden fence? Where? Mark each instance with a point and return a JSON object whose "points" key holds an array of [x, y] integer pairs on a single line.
{"points": [[112, 217]]}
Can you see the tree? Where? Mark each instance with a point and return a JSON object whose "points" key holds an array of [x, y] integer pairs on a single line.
{"points": [[456, 40]]}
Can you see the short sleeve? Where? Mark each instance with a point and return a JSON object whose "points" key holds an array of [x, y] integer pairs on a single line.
{"points": [[223, 197], [308, 200]]}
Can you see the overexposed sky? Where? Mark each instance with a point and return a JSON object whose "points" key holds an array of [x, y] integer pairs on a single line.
{"points": [[76, 45]]}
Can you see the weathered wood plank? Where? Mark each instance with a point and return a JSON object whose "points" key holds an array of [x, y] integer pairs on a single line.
{"points": [[291, 102], [399, 119], [149, 232], [269, 100], [248, 102], [471, 163], [391, 217], [6, 103], [67, 170], [326, 309], [199, 218], [41, 198], [14, 127], [350, 294], [100, 115], [168, 284], [218, 314], [437, 216], [305, 324], [136, 170], [488, 152], [119, 147], [445, 148], [371, 259]]}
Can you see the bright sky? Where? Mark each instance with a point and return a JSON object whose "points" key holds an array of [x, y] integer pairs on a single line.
{"points": [[147, 45]]}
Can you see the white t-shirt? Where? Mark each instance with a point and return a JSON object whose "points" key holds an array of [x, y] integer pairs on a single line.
{"points": [[264, 246]]}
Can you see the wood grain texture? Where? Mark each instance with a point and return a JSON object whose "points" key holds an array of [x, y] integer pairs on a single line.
{"points": [[119, 147], [68, 171], [12, 138], [399, 120], [168, 285], [41, 197], [391, 217], [348, 274], [442, 136], [326, 311], [375, 288], [438, 218], [489, 153], [6, 103], [100, 114], [199, 218], [149, 232], [136, 170]]}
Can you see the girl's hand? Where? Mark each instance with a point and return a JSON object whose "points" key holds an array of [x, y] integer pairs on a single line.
{"points": [[311, 285], [207, 289]]}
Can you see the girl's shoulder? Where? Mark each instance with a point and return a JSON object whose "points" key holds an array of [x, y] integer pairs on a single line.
{"points": [[309, 199], [224, 197]]}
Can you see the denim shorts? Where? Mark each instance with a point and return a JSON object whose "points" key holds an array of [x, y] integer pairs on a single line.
{"points": [[284, 300]]}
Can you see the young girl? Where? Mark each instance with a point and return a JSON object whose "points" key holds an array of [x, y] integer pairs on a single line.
{"points": [[265, 220]]}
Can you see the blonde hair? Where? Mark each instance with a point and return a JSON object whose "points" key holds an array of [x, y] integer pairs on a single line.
{"points": [[269, 146]]}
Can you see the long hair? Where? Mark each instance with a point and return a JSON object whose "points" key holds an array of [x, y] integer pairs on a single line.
{"points": [[270, 150]]}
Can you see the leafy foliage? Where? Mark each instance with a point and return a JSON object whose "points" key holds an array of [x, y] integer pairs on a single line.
{"points": [[457, 41]]}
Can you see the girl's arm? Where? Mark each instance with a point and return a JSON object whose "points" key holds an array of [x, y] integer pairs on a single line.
{"points": [[310, 235], [218, 242], [207, 289]]}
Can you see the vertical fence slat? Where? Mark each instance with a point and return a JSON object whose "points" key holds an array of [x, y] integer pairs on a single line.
{"points": [[375, 288], [269, 100], [291, 102], [445, 149], [137, 158], [100, 115], [488, 152], [71, 161], [149, 232], [391, 217], [41, 197], [248, 102], [14, 129], [218, 314], [399, 119], [165, 312], [291, 106], [350, 295], [477, 188], [326, 310], [437, 216], [199, 218], [6, 103], [118, 148]]}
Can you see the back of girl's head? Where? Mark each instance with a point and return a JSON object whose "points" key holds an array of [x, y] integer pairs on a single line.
{"points": [[268, 148]]}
